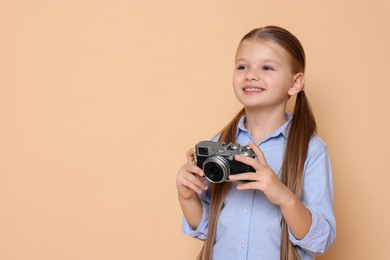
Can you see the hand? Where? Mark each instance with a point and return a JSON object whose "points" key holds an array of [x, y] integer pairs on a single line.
{"points": [[188, 180], [264, 179]]}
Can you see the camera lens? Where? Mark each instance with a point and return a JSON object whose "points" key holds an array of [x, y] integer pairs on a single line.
{"points": [[214, 172], [216, 169]]}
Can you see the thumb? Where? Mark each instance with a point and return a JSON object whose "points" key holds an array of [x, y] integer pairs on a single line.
{"points": [[259, 154]]}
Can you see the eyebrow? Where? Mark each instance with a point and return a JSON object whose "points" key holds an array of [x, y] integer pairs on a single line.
{"points": [[265, 61]]}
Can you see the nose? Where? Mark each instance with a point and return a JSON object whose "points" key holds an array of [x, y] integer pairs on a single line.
{"points": [[252, 74]]}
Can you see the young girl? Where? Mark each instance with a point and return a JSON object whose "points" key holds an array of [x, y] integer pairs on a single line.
{"points": [[286, 210]]}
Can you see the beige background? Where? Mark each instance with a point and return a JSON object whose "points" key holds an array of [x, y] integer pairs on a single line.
{"points": [[99, 100]]}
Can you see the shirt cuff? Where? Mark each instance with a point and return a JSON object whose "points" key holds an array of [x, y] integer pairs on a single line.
{"points": [[201, 231], [316, 240]]}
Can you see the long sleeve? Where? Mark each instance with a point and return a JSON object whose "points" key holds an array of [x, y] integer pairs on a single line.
{"points": [[318, 198], [201, 231]]}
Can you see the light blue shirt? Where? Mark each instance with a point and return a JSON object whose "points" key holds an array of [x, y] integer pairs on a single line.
{"points": [[249, 224]]}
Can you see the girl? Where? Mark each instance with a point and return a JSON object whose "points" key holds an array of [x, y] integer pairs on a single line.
{"points": [[286, 210]]}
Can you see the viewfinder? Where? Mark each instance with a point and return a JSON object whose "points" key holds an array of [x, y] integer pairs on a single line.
{"points": [[203, 151]]}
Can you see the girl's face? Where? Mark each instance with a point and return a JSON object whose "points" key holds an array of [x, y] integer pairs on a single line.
{"points": [[262, 76]]}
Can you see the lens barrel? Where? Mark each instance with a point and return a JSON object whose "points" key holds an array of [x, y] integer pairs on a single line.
{"points": [[216, 169]]}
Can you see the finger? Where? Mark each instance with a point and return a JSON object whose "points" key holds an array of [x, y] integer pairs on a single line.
{"points": [[249, 161], [259, 154], [190, 185], [194, 169], [191, 156], [197, 181], [247, 176], [247, 186]]}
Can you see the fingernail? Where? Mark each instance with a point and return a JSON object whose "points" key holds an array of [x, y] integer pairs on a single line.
{"points": [[205, 187]]}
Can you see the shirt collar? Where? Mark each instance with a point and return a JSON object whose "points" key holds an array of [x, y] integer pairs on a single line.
{"points": [[281, 130]]}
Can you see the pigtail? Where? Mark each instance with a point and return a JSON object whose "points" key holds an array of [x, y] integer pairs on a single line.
{"points": [[302, 128], [219, 192]]}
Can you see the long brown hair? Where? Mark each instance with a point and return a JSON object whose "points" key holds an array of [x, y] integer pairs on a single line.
{"points": [[302, 128]]}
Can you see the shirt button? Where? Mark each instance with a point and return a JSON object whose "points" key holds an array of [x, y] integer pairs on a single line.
{"points": [[246, 211], [242, 245]]}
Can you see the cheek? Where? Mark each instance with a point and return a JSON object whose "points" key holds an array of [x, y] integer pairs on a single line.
{"points": [[236, 86], [237, 79], [234, 83], [283, 83]]}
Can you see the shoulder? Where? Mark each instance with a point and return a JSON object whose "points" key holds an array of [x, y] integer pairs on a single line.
{"points": [[316, 146], [316, 143], [216, 137], [317, 156]]}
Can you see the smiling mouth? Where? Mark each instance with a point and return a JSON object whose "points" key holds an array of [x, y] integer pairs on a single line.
{"points": [[253, 89]]}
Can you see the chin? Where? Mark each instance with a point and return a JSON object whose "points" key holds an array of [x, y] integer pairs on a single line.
{"points": [[249, 103]]}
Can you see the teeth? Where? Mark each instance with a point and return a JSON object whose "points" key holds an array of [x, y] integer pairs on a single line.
{"points": [[253, 89]]}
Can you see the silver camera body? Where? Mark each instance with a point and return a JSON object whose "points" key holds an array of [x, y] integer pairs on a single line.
{"points": [[217, 159]]}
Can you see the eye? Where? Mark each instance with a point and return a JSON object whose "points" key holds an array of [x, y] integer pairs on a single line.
{"points": [[242, 67], [268, 68]]}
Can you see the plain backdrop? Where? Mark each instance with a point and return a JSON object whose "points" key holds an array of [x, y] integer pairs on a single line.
{"points": [[99, 101]]}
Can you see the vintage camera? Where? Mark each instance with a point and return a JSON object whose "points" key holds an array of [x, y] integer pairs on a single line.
{"points": [[217, 159]]}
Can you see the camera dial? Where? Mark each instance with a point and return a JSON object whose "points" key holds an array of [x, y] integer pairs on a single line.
{"points": [[234, 146]]}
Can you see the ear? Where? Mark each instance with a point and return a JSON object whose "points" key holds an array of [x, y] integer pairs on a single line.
{"points": [[297, 85]]}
